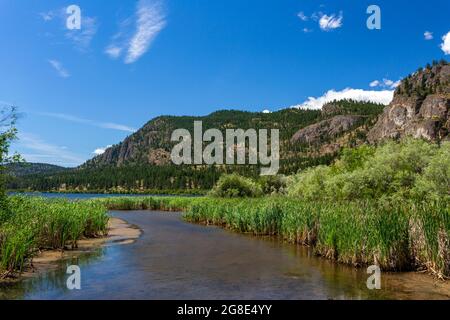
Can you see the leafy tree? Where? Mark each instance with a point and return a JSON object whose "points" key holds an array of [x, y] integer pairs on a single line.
{"points": [[236, 186], [8, 132]]}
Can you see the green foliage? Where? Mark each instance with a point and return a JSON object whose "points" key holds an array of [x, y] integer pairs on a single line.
{"points": [[33, 224], [395, 169], [8, 132], [435, 180], [236, 186], [395, 235], [272, 185]]}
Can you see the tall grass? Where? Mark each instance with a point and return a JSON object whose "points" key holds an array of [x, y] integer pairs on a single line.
{"points": [[148, 203], [32, 224], [396, 236]]}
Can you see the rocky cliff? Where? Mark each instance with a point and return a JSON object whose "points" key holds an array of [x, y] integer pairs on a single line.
{"points": [[420, 107]]}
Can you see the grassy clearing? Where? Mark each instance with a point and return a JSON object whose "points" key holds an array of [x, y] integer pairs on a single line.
{"points": [[33, 224], [397, 236]]}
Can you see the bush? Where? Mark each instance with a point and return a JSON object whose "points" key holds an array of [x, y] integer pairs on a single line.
{"points": [[236, 186], [407, 169], [273, 184], [434, 183]]}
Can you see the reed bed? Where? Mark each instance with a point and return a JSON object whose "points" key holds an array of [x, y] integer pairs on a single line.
{"points": [[397, 237], [148, 203], [33, 224]]}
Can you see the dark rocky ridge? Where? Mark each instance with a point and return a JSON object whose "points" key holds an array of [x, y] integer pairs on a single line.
{"points": [[420, 107]]}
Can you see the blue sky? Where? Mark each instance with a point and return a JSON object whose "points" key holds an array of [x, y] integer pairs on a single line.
{"points": [[82, 90]]}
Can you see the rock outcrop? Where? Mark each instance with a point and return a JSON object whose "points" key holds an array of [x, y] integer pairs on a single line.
{"points": [[420, 107], [325, 129]]}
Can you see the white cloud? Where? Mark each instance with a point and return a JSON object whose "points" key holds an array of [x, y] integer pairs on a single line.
{"points": [[134, 42], [328, 23], [384, 97], [396, 84], [266, 111], [100, 151], [49, 152], [306, 30], [57, 65], [113, 51], [104, 125], [388, 82], [302, 16], [374, 83], [82, 38], [445, 46], [150, 22], [385, 83], [428, 35]]}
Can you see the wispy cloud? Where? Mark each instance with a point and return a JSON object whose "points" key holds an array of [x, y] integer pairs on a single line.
{"points": [[326, 22], [99, 124], [385, 83], [384, 97], [302, 16], [82, 38], [113, 51], [149, 22], [38, 150], [445, 46], [331, 22], [428, 35], [47, 16], [57, 65]]}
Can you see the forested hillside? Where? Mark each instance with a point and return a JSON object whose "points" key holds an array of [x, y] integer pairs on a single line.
{"points": [[141, 163]]}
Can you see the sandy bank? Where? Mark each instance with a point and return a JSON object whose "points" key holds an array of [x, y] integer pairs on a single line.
{"points": [[119, 233]]}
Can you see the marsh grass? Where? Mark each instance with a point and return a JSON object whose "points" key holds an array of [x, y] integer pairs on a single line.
{"points": [[32, 224], [397, 236]]}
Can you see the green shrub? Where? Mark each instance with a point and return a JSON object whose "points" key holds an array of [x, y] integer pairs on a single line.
{"points": [[236, 186], [272, 185], [401, 170]]}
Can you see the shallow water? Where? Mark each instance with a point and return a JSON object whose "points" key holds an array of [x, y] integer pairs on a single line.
{"points": [[176, 260]]}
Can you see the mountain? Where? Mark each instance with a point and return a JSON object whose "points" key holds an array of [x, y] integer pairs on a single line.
{"points": [[28, 168], [420, 107], [141, 163], [151, 144]]}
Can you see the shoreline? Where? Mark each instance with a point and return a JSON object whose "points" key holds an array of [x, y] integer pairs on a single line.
{"points": [[120, 232]]}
